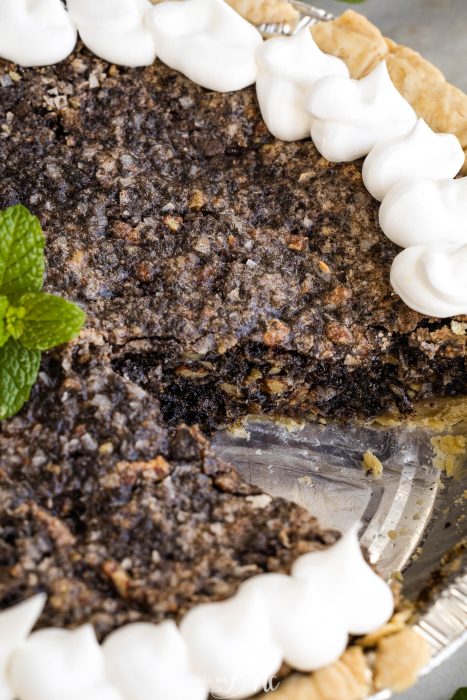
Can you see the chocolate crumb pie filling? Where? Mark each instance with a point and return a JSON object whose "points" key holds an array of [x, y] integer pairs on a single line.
{"points": [[224, 272]]}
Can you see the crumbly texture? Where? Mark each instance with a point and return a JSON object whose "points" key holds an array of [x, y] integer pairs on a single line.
{"points": [[362, 46], [118, 518], [222, 270]]}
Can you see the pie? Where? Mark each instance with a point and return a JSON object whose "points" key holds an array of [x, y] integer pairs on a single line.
{"points": [[223, 273]]}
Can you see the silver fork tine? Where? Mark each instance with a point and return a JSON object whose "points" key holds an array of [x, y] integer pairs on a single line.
{"points": [[309, 15]]}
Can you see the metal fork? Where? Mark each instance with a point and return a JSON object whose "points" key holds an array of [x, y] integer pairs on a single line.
{"points": [[309, 15]]}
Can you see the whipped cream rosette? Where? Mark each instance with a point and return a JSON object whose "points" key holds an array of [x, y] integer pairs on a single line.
{"points": [[362, 601], [58, 664], [419, 211], [152, 661], [15, 625], [115, 30], [304, 619], [432, 279], [287, 68], [295, 607], [419, 153], [231, 644], [207, 41], [35, 32], [350, 116]]}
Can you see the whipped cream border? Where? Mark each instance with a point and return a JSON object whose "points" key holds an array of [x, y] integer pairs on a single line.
{"points": [[396, 171], [45, 27], [229, 648]]}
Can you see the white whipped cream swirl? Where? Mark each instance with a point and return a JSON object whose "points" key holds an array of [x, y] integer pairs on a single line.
{"points": [[115, 30], [287, 68], [304, 619], [419, 153], [151, 661], [57, 664], [35, 32], [207, 41], [418, 211], [432, 279], [350, 116], [15, 626]]}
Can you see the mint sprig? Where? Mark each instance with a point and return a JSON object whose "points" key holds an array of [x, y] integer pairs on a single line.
{"points": [[30, 321]]}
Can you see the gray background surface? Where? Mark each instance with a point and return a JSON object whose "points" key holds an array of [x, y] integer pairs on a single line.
{"points": [[438, 29]]}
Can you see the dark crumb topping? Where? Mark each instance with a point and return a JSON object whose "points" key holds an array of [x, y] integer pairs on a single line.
{"points": [[120, 519], [223, 272]]}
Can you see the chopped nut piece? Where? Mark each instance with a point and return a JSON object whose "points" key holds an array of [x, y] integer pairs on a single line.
{"points": [[338, 333], [197, 200], [106, 448], [324, 267], [254, 375], [459, 328], [276, 333], [230, 389], [173, 222], [118, 576], [157, 467], [56, 528], [275, 386], [337, 296], [190, 372], [297, 243]]}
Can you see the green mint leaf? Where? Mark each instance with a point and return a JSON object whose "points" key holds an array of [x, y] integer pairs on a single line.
{"points": [[14, 321], [18, 372], [48, 321], [461, 694], [29, 320], [21, 252], [4, 334]]}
